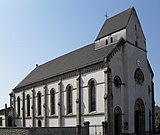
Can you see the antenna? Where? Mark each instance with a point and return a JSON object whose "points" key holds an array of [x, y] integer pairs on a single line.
{"points": [[106, 15]]}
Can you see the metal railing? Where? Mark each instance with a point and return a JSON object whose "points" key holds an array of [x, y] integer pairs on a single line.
{"points": [[96, 130]]}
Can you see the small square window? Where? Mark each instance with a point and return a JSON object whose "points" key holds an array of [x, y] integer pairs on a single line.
{"points": [[136, 43]]}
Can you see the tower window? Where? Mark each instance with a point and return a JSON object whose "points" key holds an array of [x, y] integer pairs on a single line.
{"points": [[136, 43], [111, 39], [106, 41], [135, 28], [149, 89]]}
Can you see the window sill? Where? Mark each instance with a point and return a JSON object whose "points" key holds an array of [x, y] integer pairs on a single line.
{"points": [[40, 116], [28, 117]]}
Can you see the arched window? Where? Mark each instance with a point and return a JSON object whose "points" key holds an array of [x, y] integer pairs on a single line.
{"points": [[52, 101], [106, 41], [92, 96], [111, 39], [28, 105], [18, 106], [69, 99], [39, 103], [139, 76], [117, 81]]}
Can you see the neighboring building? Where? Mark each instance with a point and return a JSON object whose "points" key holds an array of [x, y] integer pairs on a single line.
{"points": [[109, 80], [6, 117]]}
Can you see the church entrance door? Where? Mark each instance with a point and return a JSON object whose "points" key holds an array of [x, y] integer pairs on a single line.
{"points": [[139, 117], [117, 121]]}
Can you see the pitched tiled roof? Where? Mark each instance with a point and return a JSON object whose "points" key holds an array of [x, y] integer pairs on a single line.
{"points": [[115, 23], [79, 58], [72, 61]]}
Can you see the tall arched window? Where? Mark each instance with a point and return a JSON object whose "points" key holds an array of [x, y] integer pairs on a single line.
{"points": [[92, 96], [52, 101], [18, 106], [28, 105], [139, 76], [39, 103], [69, 99]]}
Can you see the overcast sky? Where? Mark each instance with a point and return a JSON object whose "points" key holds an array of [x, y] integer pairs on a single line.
{"points": [[36, 31]]}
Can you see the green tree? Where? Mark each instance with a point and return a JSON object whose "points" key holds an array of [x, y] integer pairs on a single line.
{"points": [[157, 117]]}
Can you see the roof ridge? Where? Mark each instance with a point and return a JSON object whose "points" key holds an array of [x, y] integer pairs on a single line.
{"points": [[121, 13], [67, 53]]}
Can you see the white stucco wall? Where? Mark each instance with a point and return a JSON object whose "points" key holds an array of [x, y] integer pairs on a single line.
{"points": [[136, 91], [99, 77], [116, 36], [67, 119]]}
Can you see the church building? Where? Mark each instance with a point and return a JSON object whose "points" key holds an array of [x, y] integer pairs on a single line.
{"points": [[109, 80]]}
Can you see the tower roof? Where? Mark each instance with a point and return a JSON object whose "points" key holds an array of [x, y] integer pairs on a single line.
{"points": [[115, 23]]}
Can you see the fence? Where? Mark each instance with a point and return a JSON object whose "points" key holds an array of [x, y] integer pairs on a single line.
{"points": [[97, 129]]}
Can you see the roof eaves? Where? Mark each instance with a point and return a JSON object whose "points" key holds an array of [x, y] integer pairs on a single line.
{"points": [[60, 73], [111, 33]]}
